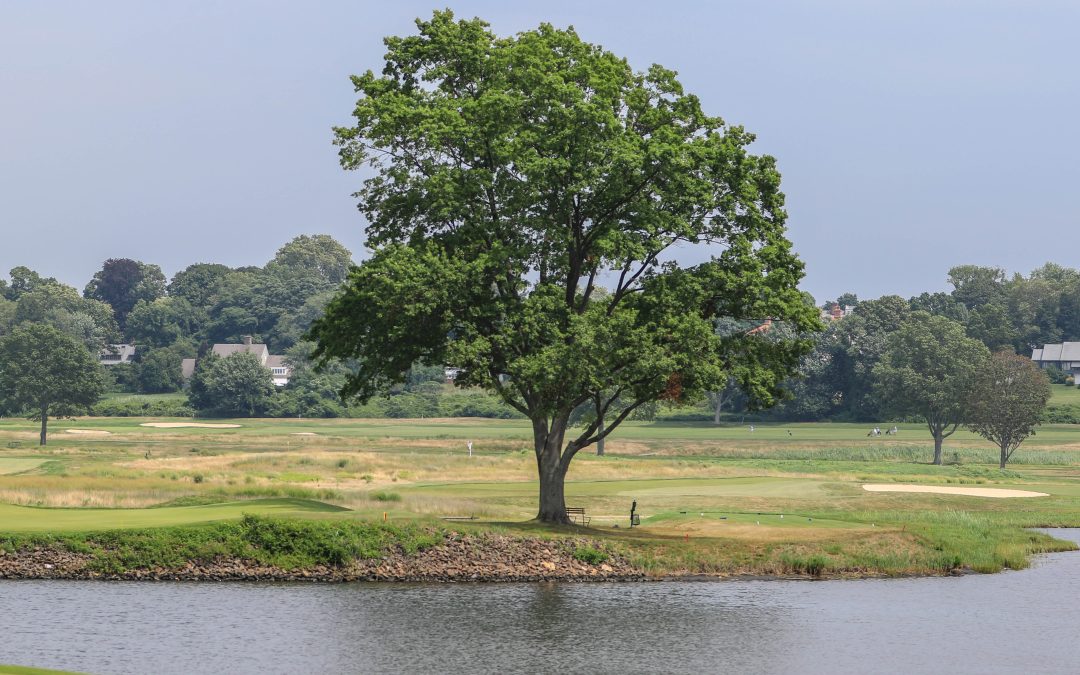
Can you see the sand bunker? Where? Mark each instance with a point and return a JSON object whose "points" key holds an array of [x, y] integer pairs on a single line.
{"points": [[303, 433], [178, 425], [997, 493], [89, 432]]}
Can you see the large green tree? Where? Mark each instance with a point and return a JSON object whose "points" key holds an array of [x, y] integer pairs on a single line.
{"points": [[235, 385], [927, 371], [122, 282], [197, 283], [45, 372], [319, 255], [50, 302], [514, 176], [159, 370], [974, 286], [24, 280], [1006, 401], [164, 321]]}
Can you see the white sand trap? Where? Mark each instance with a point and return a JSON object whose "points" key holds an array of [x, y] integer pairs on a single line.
{"points": [[88, 432], [997, 493], [303, 433], [178, 425]]}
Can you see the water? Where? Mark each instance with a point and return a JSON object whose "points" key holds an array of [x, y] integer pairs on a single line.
{"points": [[1016, 622]]}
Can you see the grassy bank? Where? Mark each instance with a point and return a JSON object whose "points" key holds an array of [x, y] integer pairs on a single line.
{"points": [[783, 499], [255, 546], [27, 670], [286, 544]]}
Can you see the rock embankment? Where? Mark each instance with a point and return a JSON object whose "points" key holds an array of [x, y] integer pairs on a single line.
{"points": [[485, 557]]}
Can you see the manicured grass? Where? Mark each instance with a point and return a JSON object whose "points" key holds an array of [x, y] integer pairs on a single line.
{"points": [[1062, 394], [31, 519], [10, 465], [710, 497], [26, 670], [801, 434]]}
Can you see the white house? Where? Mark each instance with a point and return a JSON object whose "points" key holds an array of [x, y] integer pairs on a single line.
{"points": [[279, 369]]}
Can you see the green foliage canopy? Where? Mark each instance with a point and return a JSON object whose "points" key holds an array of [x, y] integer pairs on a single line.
{"points": [[514, 177], [235, 385], [1006, 401], [197, 283], [927, 370], [45, 372], [122, 282]]}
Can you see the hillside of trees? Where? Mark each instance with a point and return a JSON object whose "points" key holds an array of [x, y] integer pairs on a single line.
{"points": [[131, 301], [1011, 314]]}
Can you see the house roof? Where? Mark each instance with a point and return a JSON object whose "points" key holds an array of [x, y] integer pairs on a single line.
{"points": [[276, 361], [124, 351], [258, 350], [1064, 351]]}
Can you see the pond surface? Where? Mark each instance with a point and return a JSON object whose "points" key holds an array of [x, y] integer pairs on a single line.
{"points": [[1016, 622]]}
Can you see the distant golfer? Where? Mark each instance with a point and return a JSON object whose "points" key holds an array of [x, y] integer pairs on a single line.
{"points": [[469, 445], [633, 508], [751, 428]]}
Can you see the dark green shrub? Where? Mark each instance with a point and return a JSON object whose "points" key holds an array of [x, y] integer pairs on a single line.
{"points": [[590, 555], [1062, 414], [137, 407], [1056, 375]]}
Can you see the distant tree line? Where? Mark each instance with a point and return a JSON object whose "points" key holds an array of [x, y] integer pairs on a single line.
{"points": [[131, 301], [1003, 314], [205, 303]]}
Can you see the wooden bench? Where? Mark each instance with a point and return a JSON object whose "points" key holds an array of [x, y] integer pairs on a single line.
{"points": [[576, 514]]}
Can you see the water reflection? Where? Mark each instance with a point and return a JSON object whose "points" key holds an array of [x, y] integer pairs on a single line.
{"points": [[1014, 622]]}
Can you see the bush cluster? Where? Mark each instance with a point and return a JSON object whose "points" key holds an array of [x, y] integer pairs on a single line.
{"points": [[1062, 414], [135, 407]]}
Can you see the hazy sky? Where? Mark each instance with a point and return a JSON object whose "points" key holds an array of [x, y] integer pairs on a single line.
{"points": [[912, 135]]}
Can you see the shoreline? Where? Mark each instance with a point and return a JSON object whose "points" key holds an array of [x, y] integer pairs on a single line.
{"points": [[469, 559], [259, 548], [461, 558]]}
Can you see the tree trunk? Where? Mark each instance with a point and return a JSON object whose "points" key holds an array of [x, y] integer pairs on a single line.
{"points": [[44, 423], [938, 438], [552, 471], [1004, 456], [716, 411], [600, 439]]}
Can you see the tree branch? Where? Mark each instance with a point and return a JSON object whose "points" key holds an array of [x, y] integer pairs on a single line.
{"points": [[505, 395]]}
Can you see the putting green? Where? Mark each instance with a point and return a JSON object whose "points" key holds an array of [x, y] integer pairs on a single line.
{"points": [[9, 465], [32, 519]]}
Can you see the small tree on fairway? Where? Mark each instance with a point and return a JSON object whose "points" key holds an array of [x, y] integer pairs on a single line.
{"points": [[927, 370], [1007, 399], [513, 177], [45, 372]]}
